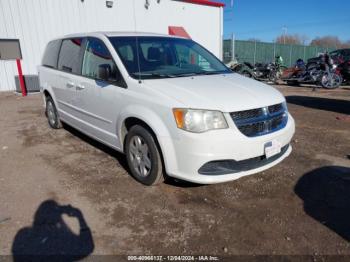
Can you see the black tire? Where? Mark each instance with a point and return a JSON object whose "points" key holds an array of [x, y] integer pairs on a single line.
{"points": [[293, 83], [247, 74], [338, 81], [153, 174], [52, 114], [273, 77]]}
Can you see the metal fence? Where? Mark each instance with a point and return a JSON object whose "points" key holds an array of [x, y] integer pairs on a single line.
{"points": [[261, 52]]}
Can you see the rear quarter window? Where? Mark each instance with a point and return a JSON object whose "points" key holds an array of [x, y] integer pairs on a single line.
{"points": [[51, 54], [68, 60]]}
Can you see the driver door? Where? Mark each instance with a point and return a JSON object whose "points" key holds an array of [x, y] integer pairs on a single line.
{"points": [[99, 101]]}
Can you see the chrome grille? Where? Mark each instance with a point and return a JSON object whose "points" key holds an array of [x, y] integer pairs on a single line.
{"points": [[275, 108], [261, 121], [241, 115]]}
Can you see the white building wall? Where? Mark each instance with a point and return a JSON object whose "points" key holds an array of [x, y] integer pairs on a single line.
{"points": [[35, 22]]}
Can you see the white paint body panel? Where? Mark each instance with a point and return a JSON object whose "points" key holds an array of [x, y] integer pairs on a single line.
{"points": [[35, 22], [226, 92], [152, 101]]}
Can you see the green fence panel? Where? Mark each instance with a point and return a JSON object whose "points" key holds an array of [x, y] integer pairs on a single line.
{"points": [[227, 51], [311, 51], [284, 51], [245, 50], [297, 52], [262, 52]]}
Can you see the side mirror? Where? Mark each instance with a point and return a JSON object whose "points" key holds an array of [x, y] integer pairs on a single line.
{"points": [[104, 72]]}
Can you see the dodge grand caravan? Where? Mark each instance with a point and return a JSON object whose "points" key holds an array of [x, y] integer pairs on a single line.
{"points": [[167, 103]]}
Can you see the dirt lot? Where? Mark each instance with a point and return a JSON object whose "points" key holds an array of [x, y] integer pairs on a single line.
{"points": [[301, 206]]}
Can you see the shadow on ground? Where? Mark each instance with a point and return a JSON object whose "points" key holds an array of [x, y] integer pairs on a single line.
{"points": [[181, 183], [121, 157], [329, 104], [106, 149], [326, 195], [50, 238]]}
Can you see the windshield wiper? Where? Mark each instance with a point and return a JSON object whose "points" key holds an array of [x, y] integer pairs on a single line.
{"points": [[210, 72], [185, 74], [155, 74], [200, 73]]}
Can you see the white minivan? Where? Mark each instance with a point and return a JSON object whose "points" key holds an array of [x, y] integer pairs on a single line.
{"points": [[166, 102]]}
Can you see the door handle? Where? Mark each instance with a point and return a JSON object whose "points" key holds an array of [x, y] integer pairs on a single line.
{"points": [[70, 84], [79, 87]]}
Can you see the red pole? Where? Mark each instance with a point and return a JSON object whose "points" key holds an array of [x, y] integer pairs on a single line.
{"points": [[21, 78]]}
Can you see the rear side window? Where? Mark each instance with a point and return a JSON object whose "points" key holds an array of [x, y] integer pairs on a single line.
{"points": [[68, 60], [51, 54]]}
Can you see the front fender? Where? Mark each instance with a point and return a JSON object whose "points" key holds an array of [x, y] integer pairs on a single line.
{"points": [[158, 126]]}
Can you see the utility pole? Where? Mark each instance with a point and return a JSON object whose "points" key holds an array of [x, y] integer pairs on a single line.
{"points": [[284, 29], [233, 55]]}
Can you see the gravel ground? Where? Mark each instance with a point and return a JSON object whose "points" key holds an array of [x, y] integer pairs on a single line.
{"points": [[61, 191]]}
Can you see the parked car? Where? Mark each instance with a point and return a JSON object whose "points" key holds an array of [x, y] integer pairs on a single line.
{"points": [[166, 102], [340, 54], [344, 69]]}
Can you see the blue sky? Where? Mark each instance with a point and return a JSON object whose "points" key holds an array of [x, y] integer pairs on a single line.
{"points": [[264, 19]]}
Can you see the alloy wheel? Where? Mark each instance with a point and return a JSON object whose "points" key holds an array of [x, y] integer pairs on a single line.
{"points": [[51, 114], [140, 156]]}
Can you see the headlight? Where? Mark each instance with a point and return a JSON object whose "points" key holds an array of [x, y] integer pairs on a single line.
{"points": [[198, 121]]}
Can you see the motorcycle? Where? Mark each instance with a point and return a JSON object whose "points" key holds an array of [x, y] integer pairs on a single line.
{"points": [[277, 69], [263, 72], [258, 71], [319, 73]]}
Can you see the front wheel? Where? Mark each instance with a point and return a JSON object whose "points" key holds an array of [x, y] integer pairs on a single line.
{"points": [[143, 156], [274, 76], [331, 81]]}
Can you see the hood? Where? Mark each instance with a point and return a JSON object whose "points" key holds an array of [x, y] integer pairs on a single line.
{"points": [[224, 92]]}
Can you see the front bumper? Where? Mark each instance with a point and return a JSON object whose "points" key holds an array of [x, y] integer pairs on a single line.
{"points": [[192, 151]]}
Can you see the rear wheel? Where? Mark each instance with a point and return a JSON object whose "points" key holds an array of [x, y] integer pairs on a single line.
{"points": [[52, 115], [143, 156], [246, 74]]}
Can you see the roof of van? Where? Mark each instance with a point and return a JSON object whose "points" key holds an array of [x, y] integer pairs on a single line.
{"points": [[126, 33]]}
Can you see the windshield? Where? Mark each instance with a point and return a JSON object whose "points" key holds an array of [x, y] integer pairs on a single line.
{"points": [[165, 57]]}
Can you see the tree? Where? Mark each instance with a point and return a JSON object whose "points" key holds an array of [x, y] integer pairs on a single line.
{"points": [[291, 39], [254, 39], [346, 44], [327, 41]]}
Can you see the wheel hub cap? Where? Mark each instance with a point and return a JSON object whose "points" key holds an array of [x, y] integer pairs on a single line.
{"points": [[140, 156], [51, 113]]}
